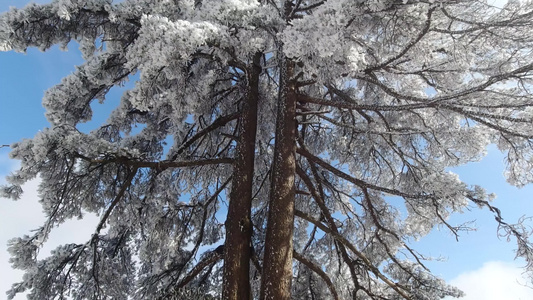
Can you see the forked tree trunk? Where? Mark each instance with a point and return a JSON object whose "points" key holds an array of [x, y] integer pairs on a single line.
{"points": [[237, 252], [277, 269]]}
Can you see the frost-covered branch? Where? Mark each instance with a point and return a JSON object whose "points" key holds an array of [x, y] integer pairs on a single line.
{"points": [[209, 259], [356, 181], [221, 121], [400, 290], [410, 44], [205, 206], [519, 231], [125, 185], [308, 263], [160, 165], [319, 198]]}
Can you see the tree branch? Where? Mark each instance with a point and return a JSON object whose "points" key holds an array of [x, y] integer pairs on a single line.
{"points": [[319, 199], [219, 122], [352, 104], [118, 197], [318, 271], [359, 254], [161, 165], [211, 258], [205, 207], [409, 45], [360, 183]]}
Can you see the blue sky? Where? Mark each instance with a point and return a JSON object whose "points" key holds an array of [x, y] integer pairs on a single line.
{"points": [[479, 263]]}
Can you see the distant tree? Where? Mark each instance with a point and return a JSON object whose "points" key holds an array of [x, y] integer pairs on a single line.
{"points": [[326, 127]]}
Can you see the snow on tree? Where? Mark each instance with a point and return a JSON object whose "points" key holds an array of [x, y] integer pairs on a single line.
{"points": [[305, 117]]}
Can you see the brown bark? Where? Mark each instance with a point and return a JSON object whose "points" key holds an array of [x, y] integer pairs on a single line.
{"points": [[277, 266], [237, 253]]}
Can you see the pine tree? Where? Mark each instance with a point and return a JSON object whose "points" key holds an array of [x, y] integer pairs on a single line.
{"points": [[304, 117]]}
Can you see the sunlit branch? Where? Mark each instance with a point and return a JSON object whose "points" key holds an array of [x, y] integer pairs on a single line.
{"points": [[377, 222], [483, 26], [95, 238], [491, 116], [345, 97], [373, 214]]}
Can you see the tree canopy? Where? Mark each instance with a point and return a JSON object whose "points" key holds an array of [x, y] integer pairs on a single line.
{"points": [[269, 149]]}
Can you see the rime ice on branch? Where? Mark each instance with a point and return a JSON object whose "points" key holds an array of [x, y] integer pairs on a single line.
{"points": [[289, 123]]}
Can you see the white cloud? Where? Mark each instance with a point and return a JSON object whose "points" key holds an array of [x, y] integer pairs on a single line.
{"points": [[495, 280]]}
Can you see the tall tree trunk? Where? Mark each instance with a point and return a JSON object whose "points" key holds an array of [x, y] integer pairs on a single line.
{"points": [[277, 270], [237, 252]]}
